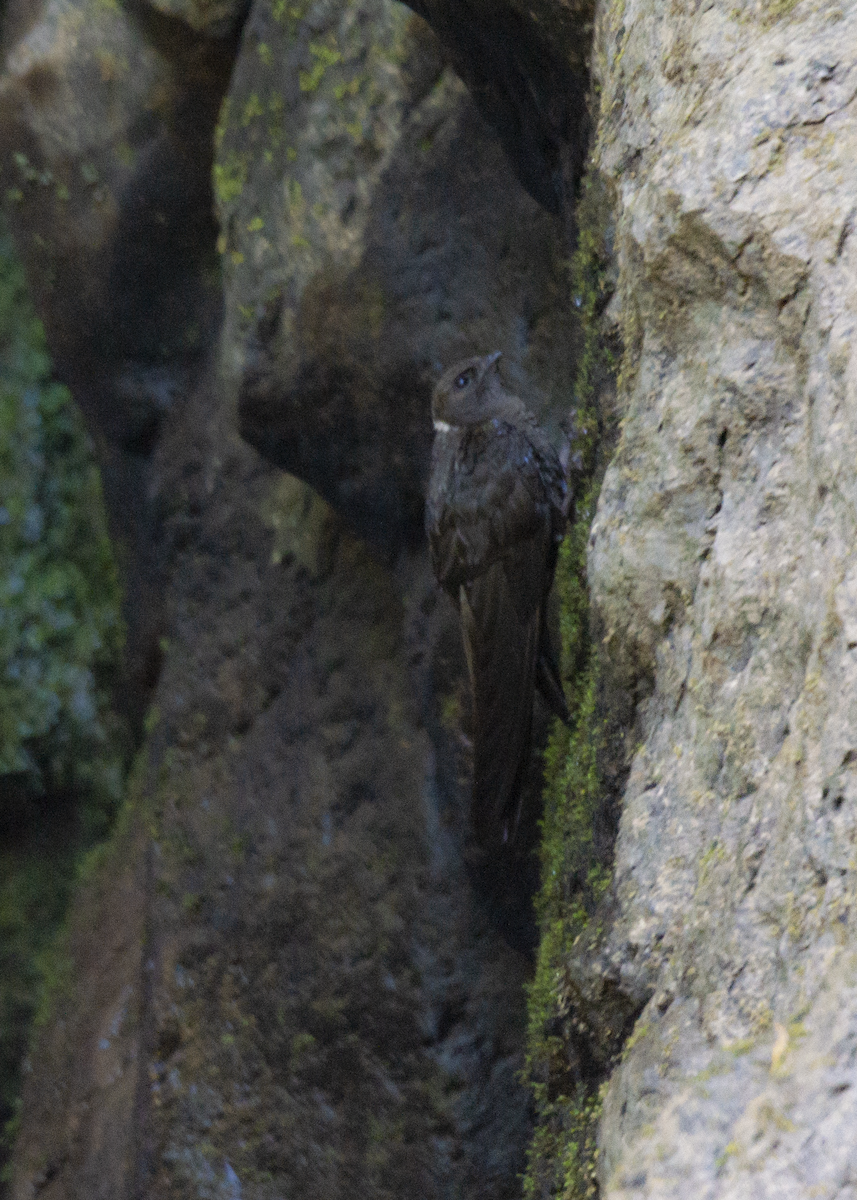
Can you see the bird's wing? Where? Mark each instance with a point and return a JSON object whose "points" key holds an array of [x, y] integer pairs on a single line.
{"points": [[445, 543], [502, 653], [491, 524], [529, 564], [540, 505], [486, 495]]}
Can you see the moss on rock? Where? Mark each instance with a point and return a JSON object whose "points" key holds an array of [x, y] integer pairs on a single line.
{"points": [[575, 869], [61, 748]]}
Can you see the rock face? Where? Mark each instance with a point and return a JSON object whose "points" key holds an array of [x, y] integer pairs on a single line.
{"points": [[282, 981], [722, 568], [284, 977], [324, 1003], [371, 235], [527, 68], [105, 127]]}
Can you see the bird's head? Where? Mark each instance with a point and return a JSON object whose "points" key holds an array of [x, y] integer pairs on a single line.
{"points": [[466, 393]]}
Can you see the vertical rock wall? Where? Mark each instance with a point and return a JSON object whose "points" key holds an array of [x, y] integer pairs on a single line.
{"points": [[372, 232], [722, 568], [301, 991]]}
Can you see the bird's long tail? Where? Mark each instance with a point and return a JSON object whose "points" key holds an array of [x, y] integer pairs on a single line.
{"points": [[548, 679]]}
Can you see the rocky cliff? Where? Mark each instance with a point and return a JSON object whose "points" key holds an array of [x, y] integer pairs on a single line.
{"points": [[255, 234], [721, 563]]}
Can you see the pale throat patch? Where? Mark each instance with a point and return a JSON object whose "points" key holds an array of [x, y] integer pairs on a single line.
{"points": [[442, 427]]}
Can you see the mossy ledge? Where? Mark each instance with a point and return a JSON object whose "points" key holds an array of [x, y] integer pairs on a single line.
{"points": [[565, 1065]]}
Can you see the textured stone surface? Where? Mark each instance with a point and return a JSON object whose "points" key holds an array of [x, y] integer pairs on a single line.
{"points": [[281, 978], [212, 18], [285, 979], [527, 68], [372, 233], [370, 230], [106, 120], [721, 564]]}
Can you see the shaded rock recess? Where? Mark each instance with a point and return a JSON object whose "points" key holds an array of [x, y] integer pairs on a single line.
{"points": [[255, 234]]}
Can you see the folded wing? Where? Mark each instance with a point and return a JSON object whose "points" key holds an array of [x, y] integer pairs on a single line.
{"points": [[492, 522], [502, 635]]}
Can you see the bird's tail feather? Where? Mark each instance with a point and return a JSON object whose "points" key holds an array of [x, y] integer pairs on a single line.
{"points": [[548, 679], [501, 655]]}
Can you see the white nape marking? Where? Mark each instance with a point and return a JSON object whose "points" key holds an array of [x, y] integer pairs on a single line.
{"points": [[442, 427]]}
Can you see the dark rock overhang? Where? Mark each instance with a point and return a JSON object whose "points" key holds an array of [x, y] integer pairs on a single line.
{"points": [[526, 84]]}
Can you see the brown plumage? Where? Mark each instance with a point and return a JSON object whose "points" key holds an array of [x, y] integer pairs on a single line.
{"points": [[496, 513]]}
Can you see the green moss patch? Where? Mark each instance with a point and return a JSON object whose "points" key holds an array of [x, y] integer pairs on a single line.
{"points": [[574, 875], [62, 751], [60, 628]]}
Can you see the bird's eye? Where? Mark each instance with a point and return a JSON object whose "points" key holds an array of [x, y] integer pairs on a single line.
{"points": [[462, 381]]}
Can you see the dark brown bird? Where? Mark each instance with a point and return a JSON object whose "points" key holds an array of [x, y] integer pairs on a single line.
{"points": [[496, 513]]}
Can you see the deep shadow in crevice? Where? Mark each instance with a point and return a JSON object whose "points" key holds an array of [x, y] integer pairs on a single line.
{"points": [[535, 101]]}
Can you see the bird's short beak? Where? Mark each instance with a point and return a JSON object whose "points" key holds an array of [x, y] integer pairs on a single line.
{"points": [[492, 358]]}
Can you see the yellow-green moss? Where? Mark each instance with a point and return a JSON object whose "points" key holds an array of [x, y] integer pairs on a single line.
{"points": [[229, 177], [775, 9], [222, 121], [62, 750], [561, 1159], [289, 14], [323, 57], [252, 108]]}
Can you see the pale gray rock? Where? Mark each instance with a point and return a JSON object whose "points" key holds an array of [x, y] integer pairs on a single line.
{"points": [[722, 569]]}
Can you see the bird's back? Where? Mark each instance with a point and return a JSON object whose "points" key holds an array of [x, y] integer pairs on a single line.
{"points": [[493, 512], [491, 488]]}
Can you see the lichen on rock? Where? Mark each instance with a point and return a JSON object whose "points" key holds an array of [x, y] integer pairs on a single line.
{"points": [[309, 1019], [721, 539], [371, 234]]}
